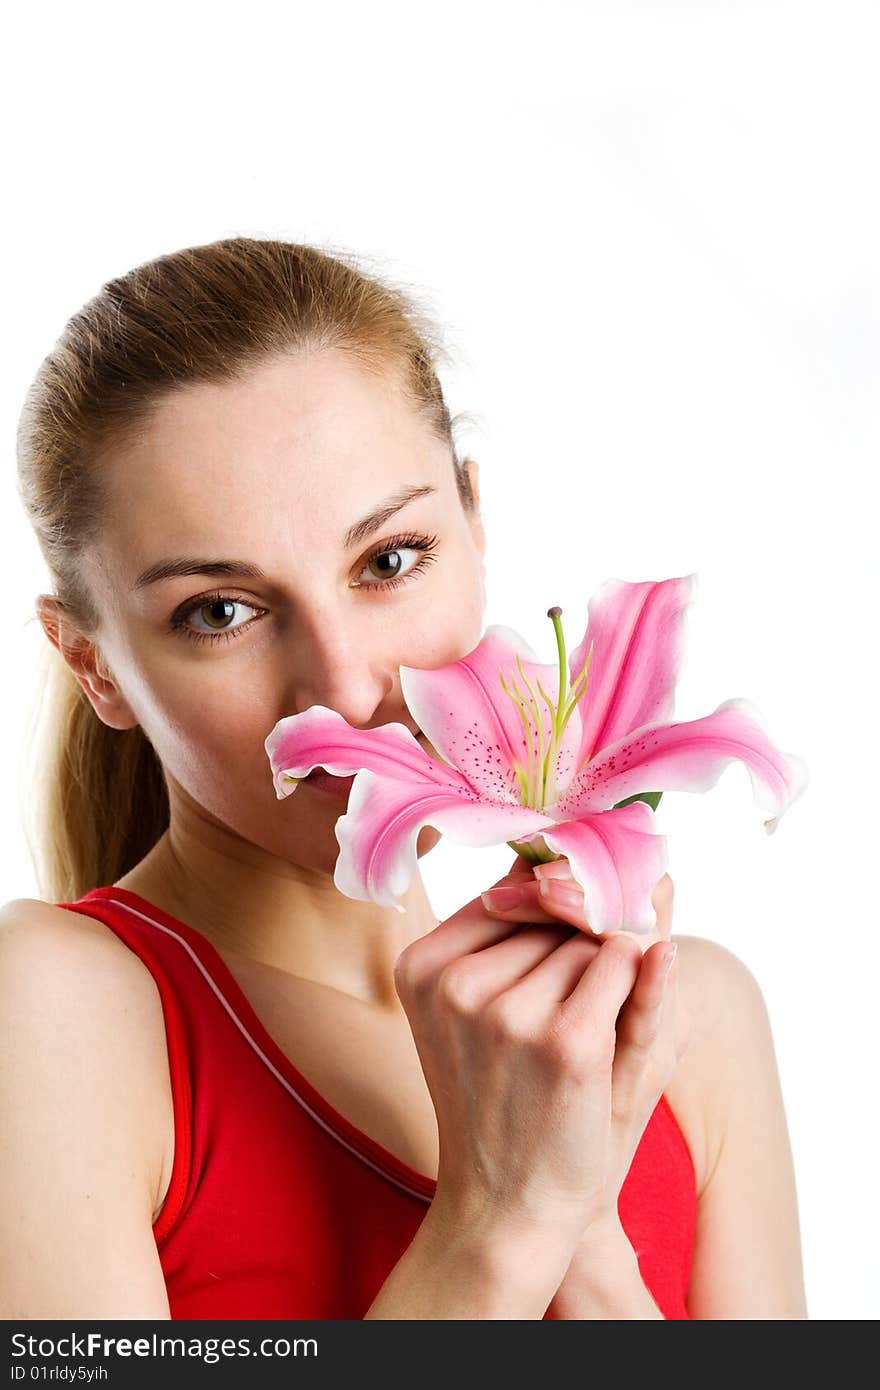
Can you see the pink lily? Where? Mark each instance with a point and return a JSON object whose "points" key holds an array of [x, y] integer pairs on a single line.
{"points": [[527, 759]]}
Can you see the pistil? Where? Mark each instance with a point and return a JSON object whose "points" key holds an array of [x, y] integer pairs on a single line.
{"points": [[537, 780]]}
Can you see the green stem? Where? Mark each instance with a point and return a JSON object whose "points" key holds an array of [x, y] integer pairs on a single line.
{"points": [[532, 855]]}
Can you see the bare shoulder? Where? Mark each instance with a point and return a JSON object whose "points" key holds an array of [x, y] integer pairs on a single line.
{"points": [[71, 940], [70, 967], [717, 988], [43, 921], [69, 947], [723, 1003]]}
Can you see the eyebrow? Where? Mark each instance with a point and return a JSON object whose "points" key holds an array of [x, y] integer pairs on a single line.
{"points": [[244, 569]]}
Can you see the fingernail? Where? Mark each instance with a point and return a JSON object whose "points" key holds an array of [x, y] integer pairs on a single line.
{"points": [[556, 868], [500, 899], [668, 957], [566, 895]]}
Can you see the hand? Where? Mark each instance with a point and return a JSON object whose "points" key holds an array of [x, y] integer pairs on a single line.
{"points": [[520, 1082], [665, 1032], [519, 1033], [540, 893]]}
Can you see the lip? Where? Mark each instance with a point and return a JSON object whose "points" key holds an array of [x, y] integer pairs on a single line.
{"points": [[322, 781], [340, 787]]}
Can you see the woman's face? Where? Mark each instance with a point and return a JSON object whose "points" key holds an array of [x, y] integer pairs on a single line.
{"points": [[275, 472]]}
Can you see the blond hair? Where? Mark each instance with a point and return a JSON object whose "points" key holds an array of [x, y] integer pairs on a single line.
{"points": [[95, 798]]}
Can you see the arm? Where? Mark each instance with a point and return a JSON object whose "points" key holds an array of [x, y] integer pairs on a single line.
{"points": [[747, 1255], [80, 1148], [453, 1270], [747, 1260], [603, 1282]]}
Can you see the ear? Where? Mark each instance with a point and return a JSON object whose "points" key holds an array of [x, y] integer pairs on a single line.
{"points": [[476, 521], [85, 660]]}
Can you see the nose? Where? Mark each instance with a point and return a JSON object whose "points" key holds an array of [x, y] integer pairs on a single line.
{"points": [[337, 666]]}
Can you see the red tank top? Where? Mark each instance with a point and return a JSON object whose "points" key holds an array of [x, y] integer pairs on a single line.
{"points": [[278, 1207]]}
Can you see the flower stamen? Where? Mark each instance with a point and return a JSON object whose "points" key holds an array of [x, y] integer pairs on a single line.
{"points": [[537, 780]]}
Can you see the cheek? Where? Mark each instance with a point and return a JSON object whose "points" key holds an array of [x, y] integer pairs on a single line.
{"points": [[455, 627], [215, 742]]}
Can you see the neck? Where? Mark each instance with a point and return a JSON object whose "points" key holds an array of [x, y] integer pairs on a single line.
{"points": [[284, 916]]}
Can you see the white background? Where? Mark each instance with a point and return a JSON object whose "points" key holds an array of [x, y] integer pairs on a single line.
{"points": [[651, 231]]}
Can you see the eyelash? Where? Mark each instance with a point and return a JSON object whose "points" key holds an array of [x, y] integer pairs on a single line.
{"points": [[426, 544]]}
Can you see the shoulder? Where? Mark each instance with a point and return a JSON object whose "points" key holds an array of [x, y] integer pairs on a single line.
{"points": [[80, 996], [747, 1258], [719, 988], [729, 1045], [55, 948], [35, 920], [70, 940], [78, 1114]]}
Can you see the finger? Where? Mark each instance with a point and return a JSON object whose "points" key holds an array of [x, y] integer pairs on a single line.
{"points": [[640, 1018], [545, 901], [561, 900], [549, 983], [479, 978], [561, 869], [647, 1013], [662, 899], [554, 894], [472, 928], [556, 868], [681, 1017], [469, 929], [602, 990]]}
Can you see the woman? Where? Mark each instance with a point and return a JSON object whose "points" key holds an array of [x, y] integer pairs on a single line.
{"points": [[236, 1092]]}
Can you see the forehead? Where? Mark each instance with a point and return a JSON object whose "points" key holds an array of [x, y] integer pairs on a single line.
{"points": [[298, 449]]}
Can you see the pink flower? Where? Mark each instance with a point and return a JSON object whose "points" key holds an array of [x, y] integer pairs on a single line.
{"points": [[540, 756]]}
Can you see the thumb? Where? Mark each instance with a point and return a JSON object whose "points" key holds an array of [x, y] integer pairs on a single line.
{"points": [[520, 871]]}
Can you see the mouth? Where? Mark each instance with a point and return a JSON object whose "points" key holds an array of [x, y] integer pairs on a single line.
{"points": [[324, 781], [340, 787]]}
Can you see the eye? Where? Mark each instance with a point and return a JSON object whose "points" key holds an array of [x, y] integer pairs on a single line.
{"points": [[391, 576], [211, 601]]}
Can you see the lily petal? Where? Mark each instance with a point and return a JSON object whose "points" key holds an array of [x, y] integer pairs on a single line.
{"points": [[475, 726], [617, 858], [377, 836], [637, 635], [689, 756], [319, 737]]}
